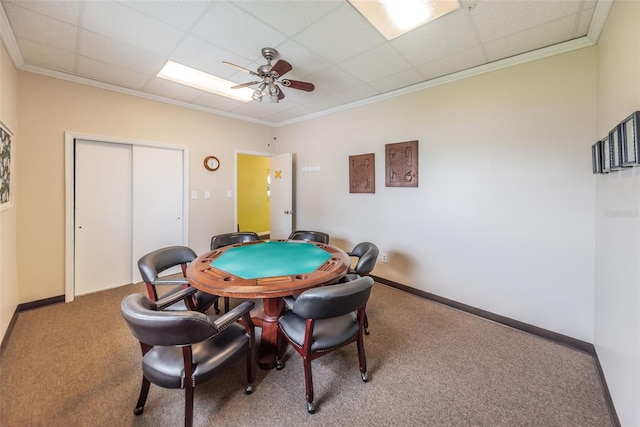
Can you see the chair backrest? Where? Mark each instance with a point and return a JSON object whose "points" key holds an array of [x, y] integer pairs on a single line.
{"points": [[227, 239], [367, 254], [334, 300], [162, 327], [154, 263], [314, 236]]}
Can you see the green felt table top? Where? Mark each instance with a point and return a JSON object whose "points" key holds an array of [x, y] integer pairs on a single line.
{"points": [[271, 259]]}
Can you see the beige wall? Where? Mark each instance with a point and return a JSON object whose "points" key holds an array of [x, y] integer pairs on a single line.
{"points": [[503, 216], [617, 230], [9, 297], [48, 107]]}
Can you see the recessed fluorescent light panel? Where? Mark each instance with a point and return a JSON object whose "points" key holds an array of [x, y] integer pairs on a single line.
{"points": [[200, 80], [395, 17]]}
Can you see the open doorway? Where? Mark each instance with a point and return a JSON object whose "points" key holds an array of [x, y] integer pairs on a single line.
{"points": [[253, 194]]}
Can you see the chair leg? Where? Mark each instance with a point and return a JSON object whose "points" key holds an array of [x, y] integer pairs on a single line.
{"points": [[142, 399], [188, 405], [362, 359], [216, 307], [366, 324], [226, 304], [308, 383], [251, 369]]}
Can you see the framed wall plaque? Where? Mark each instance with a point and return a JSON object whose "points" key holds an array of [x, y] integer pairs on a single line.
{"points": [[362, 173], [615, 147], [596, 157], [606, 155], [6, 168], [630, 136], [401, 164]]}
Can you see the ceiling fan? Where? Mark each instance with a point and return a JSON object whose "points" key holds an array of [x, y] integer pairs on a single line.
{"points": [[271, 78]]}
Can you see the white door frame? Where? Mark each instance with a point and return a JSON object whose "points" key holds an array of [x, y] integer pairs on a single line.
{"points": [[69, 193]]}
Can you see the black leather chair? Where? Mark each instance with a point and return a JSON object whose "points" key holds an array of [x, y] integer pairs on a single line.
{"points": [[182, 349], [226, 239], [323, 320], [314, 236], [366, 254], [154, 263]]}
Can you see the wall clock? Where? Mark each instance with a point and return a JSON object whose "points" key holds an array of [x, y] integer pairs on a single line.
{"points": [[211, 163]]}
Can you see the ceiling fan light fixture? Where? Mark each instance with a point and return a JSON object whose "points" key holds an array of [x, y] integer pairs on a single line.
{"points": [[393, 18], [197, 79], [270, 75], [257, 95]]}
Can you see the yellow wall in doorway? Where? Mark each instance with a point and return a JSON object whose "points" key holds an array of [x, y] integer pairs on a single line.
{"points": [[253, 202]]}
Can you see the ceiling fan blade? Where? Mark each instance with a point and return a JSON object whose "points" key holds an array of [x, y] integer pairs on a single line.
{"points": [[240, 86], [240, 68], [281, 67], [306, 86]]}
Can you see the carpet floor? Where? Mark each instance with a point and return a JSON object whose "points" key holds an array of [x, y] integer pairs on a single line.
{"points": [[77, 364]]}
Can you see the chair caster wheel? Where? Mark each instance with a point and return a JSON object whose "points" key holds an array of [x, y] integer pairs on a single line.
{"points": [[311, 408], [365, 377], [249, 389], [279, 365], [366, 331], [138, 410]]}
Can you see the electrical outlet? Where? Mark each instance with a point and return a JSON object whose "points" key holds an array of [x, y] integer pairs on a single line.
{"points": [[383, 257]]}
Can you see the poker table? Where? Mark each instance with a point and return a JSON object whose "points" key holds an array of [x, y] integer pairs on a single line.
{"points": [[268, 270]]}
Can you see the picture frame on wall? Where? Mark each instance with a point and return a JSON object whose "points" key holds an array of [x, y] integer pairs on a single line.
{"points": [[606, 154], [401, 164], [7, 150], [630, 135], [596, 157], [615, 147], [362, 173]]}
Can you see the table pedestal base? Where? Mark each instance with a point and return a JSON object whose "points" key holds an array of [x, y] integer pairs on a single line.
{"points": [[270, 343]]}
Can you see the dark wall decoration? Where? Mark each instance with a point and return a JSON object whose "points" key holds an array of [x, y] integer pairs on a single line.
{"points": [[6, 198], [401, 164], [362, 176]]}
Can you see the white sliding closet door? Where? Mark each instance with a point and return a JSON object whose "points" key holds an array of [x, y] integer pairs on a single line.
{"points": [[157, 201], [103, 207], [128, 202]]}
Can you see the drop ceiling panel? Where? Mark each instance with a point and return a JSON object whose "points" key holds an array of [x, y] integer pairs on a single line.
{"points": [[340, 35], [48, 57], [207, 57], [453, 63], [497, 19], [397, 81], [445, 36], [182, 14], [32, 26], [99, 47], [228, 26], [66, 11], [289, 17], [327, 42], [528, 40], [368, 66], [116, 21], [108, 73]]}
